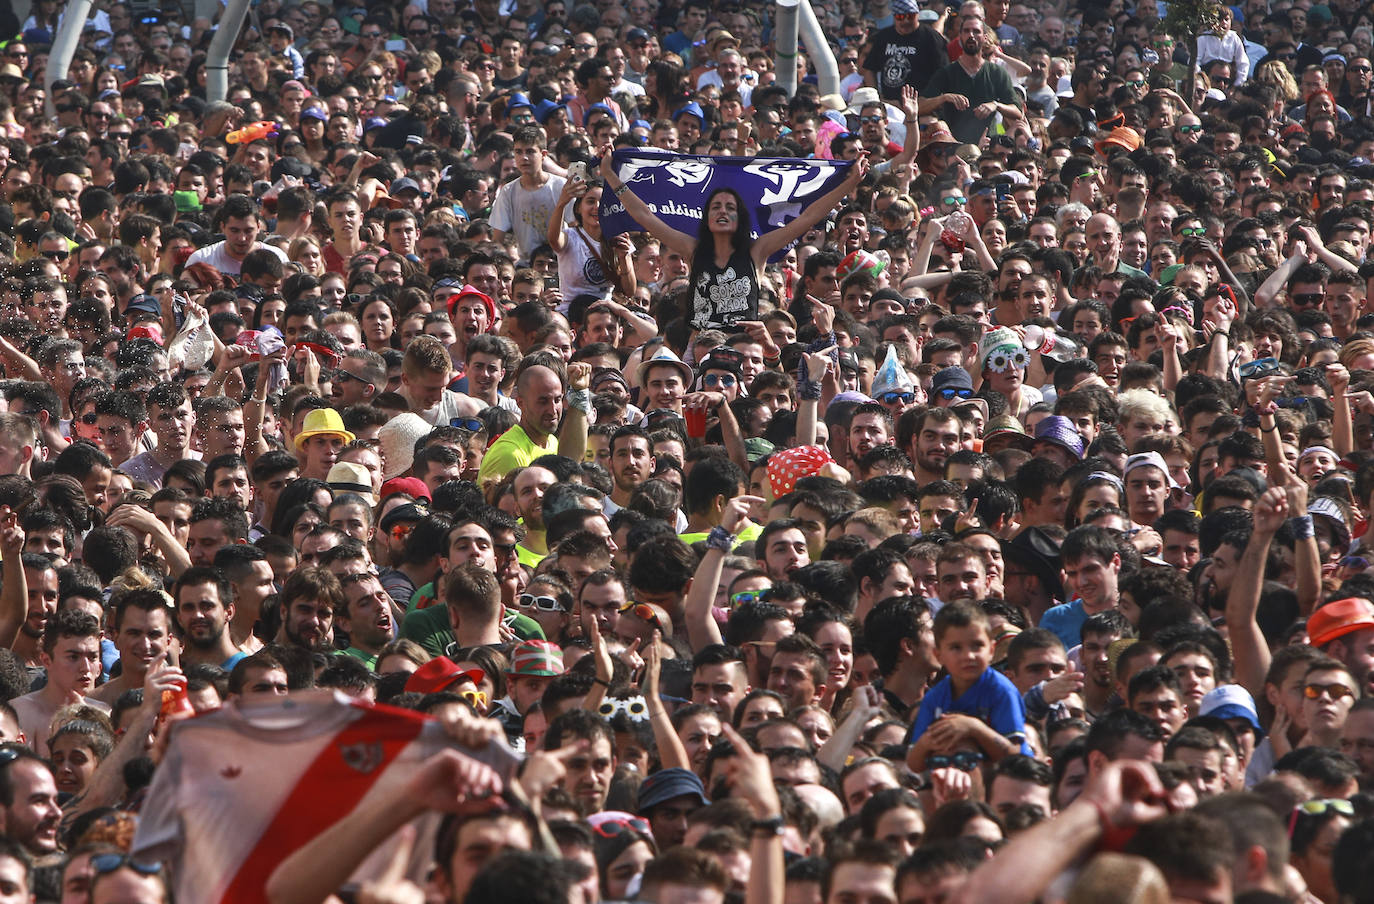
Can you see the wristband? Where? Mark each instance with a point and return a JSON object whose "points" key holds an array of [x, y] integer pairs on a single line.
{"points": [[581, 399], [809, 390], [1303, 528], [621, 190], [1264, 429], [603, 682], [720, 538], [773, 827]]}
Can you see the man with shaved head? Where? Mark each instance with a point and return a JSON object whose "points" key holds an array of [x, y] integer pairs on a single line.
{"points": [[540, 391]]}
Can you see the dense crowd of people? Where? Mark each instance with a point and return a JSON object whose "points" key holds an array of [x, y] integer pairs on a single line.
{"points": [[979, 517]]}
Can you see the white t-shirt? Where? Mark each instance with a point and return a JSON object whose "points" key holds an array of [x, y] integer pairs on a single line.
{"points": [[240, 790], [526, 213], [217, 257]]}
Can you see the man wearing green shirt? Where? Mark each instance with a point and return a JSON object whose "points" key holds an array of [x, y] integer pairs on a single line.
{"points": [[540, 392], [967, 92], [470, 620], [366, 616]]}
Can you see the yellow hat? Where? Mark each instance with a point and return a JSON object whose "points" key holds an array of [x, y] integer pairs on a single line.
{"points": [[322, 422]]}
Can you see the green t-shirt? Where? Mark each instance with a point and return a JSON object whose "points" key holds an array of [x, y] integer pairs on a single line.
{"points": [[431, 629], [991, 82], [512, 449], [368, 659]]}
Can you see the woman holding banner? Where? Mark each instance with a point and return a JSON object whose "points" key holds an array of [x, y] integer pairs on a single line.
{"points": [[726, 260]]}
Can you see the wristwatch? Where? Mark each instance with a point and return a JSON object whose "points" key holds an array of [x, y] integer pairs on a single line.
{"points": [[772, 826]]}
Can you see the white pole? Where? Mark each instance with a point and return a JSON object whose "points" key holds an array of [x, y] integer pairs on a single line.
{"points": [[217, 59], [64, 47]]}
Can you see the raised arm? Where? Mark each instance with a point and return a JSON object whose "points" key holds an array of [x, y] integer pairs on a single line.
{"points": [[573, 188], [671, 753], [680, 242], [315, 871], [773, 242], [1248, 646], [14, 595], [572, 436]]}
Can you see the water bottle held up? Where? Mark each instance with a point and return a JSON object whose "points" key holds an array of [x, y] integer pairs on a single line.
{"points": [[1048, 342]]}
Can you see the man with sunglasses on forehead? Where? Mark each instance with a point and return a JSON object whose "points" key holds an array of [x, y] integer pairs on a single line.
{"points": [[907, 52]]}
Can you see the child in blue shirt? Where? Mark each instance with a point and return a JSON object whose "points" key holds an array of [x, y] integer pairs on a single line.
{"points": [[974, 702]]}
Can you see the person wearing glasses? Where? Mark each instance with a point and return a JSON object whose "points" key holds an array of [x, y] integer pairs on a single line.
{"points": [[372, 35]]}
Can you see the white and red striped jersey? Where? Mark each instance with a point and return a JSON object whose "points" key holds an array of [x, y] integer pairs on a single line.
{"points": [[241, 789]]}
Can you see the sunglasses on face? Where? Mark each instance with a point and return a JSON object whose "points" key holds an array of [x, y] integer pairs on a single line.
{"points": [[892, 398], [750, 596], [467, 423], [954, 202], [642, 611], [871, 119], [944, 150], [540, 603], [725, 381], [108, 863], [613, 827], [1334, 691], [89, 419], [56, 255], [964, 761], [1192, 231], [951, 392], [478, 699], [1188, 130], [1306, 299]]}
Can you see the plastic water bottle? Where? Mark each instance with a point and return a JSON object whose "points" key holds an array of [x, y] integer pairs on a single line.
{"points": [[1047, 342]]}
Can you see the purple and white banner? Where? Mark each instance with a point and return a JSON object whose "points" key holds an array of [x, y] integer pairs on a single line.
{"points": [[675, 187]]}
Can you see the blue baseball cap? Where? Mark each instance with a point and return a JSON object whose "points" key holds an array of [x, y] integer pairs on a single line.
{"points": [[693, 108]]}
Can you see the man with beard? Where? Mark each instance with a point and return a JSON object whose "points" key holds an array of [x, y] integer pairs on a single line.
{"points": [[202, 597], [31, 812], [40, 577], [937, 433], [967, 92], [1344, 630], [529, 487], [309, 599], [869, 426], [366, 616], [71, 654], [632, 463], [1098, 634]]}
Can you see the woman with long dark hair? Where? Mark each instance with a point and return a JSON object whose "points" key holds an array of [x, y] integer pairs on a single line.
{"points": [[586, 266], [725, 257]]}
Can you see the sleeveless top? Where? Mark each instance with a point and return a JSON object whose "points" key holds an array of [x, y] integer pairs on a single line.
{"points": [[723, 296], [580, 271]]}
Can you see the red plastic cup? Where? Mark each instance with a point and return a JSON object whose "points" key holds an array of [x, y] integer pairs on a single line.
{"points": [[696, 422]]}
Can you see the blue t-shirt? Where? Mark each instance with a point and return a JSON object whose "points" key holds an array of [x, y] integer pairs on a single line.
{"points": [[1066, 621], [993, 699]]}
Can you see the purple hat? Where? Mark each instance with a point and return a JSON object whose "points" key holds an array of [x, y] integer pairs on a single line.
{"points": [[314, 113], [850, 395], [1059, 430], [375, 122]]}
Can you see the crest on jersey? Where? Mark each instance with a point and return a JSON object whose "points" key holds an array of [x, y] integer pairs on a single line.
{"points": [[362, 757]]}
